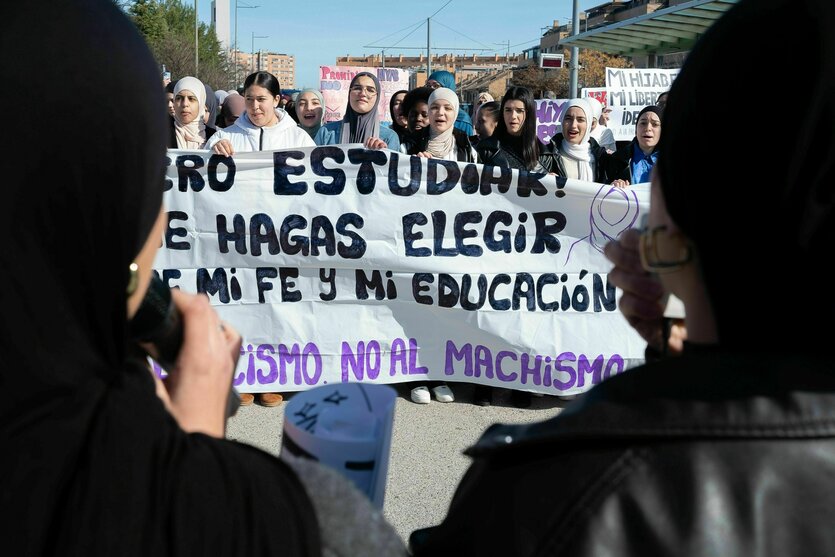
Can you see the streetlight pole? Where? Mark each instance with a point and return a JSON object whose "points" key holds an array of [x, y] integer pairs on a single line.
{"points": [[254, 36], [196, 57], [575, 53], [428, 51], [236, 37]]}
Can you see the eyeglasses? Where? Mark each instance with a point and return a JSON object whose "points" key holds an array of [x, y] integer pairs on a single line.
{"points": [[370, 91], [654, 261]]}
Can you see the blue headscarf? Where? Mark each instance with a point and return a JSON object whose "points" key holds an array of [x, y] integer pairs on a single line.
{"points": [[446, 79]]}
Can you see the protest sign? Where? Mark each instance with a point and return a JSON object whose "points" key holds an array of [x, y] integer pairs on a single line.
{"points": [[548, 118], [627, 92], [339, 264], [335, 80]]}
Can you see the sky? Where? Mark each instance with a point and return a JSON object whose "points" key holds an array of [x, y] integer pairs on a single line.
{"points": [[317, 32]]}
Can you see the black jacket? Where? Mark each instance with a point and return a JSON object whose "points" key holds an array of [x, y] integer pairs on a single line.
{"points": [[607, 167], [418, 142], [706, 454], [492, 152], [623, 156]]}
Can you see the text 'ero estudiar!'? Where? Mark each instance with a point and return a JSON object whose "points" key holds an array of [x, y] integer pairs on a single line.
{"points": [[294, 234]]}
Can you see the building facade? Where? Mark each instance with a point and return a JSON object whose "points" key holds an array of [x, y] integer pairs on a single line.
{"points": [[283, 66], [463, 66]]}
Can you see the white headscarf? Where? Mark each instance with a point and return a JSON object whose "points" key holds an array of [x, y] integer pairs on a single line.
{"points": [[580, 154], [440, 144], [193, 134], [596, 107]]}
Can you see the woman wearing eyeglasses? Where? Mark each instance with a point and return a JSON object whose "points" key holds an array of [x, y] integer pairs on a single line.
{"points": [[361, 123]]}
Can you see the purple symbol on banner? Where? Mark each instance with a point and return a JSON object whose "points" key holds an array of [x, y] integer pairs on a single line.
{"points": [[609, 217]]}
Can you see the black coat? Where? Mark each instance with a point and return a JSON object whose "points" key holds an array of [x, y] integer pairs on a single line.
{"points": [[418, 142], [491, 152], [705, 454], [624, 156]]}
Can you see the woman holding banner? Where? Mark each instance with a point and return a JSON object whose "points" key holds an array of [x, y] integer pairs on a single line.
{"points": [[514, 143], [578, 156], [262, 126], [361, 123], [440, 139], [641, 154], [188, 125]]}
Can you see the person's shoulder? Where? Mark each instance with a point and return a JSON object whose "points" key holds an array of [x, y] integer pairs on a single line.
{"points": [[390, 137], [300, 137], [328, 133], [489, 143]]}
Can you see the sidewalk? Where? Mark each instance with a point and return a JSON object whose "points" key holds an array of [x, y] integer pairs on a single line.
{"points": [[426, 461]]}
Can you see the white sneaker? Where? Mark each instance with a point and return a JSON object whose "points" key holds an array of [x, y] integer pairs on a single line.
{"points": [[443, 393], [420, 395]]}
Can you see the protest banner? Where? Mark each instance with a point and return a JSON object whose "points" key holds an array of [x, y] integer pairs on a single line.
{"points": [[340, 264], [548, 118], [335, 80], [627, 92]]}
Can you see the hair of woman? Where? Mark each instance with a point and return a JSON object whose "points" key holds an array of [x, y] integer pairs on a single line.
{"points": [[264, 79], [530, 144]]}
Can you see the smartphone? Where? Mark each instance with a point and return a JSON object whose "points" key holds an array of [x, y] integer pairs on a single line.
{"points": [[158, 323]]}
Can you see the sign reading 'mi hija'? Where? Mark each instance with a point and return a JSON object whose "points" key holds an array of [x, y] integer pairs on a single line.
{"points": [[341, 264]]}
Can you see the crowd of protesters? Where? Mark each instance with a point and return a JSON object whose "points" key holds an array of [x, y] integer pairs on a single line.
{"points": [[427, 121], [722, 446]]}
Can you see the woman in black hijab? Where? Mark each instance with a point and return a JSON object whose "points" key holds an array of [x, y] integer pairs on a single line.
{"points": [[729, 448], [97, 457]]}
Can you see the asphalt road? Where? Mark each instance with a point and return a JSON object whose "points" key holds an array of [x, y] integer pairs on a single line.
{"points": [[426, 461]]}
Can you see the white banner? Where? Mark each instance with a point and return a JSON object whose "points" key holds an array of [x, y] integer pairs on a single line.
{"points": [[340, 264]]}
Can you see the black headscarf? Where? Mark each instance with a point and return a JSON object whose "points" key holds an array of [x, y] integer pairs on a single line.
{"points": [[90, 461], [658, 111], [362, 126], [764, 224], [401, 131], [211, 106]]}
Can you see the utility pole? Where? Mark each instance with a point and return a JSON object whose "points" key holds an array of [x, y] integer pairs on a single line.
{"points": [[236, 37], [575, 53], [196, 56], [254, 36], [428, 51]]}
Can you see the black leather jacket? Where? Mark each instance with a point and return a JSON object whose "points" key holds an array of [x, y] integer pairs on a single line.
{"points": [[492, 152], [708, 454]]}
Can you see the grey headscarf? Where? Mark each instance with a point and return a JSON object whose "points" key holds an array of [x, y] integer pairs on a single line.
{"points": [[211, 106], [356, 128], [312, 130]]}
